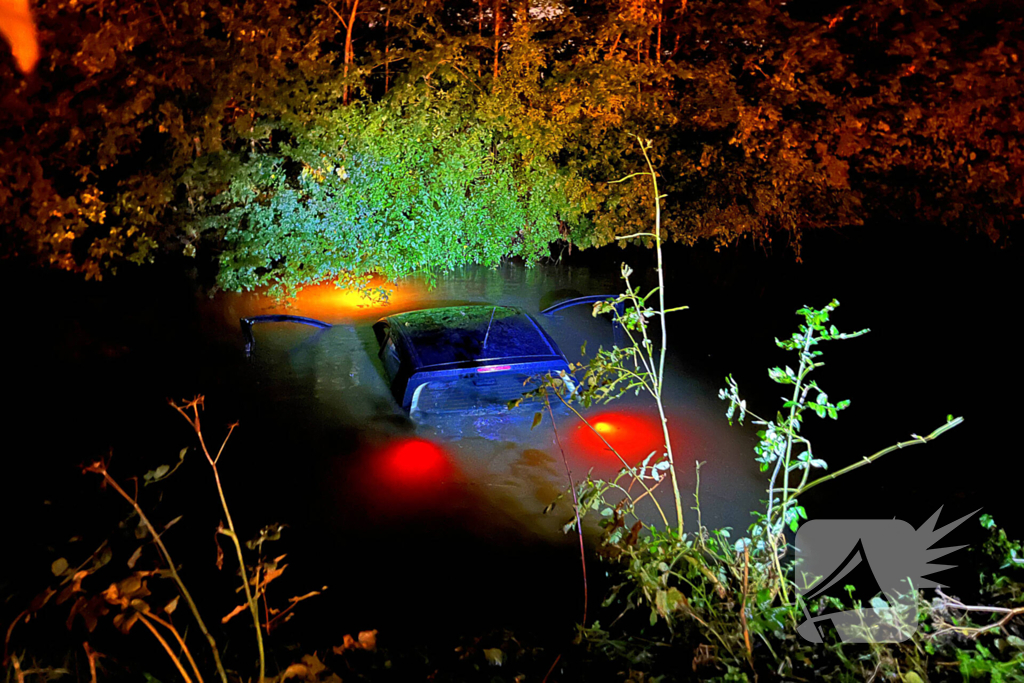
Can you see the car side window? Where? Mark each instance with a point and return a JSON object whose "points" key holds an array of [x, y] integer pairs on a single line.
{"points": [[390, 356]]}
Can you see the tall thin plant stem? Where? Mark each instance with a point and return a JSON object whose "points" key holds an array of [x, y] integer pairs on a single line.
{"points": [[575, 507], [181, 641], [193, 420], [166, 646], [659, 379]]}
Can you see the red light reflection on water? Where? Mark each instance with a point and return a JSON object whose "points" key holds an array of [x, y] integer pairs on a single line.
{"points": [[403, 477], [414, 462], [410, 475], [632, 435]]}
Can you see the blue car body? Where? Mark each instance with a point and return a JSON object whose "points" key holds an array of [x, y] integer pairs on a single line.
{"points": [[466, 359]]}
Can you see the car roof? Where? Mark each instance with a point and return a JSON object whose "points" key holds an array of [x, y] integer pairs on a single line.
{"points": [[471, 334]]}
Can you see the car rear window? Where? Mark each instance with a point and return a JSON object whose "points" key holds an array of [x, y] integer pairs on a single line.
{"points": [[471, 333], [474, 393]]}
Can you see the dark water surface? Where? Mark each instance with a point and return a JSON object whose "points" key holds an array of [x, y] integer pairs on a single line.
{"points": [[416, 529]]}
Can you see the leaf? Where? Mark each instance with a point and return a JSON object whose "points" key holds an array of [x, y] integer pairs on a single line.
{"points": [[172, 605], [59, 566], [272, 574], [220, 551], [90, 609], [368, 640], [271, 532], [103, 559], [348, 643], [537, 417], [233, 613], [314, 664], [164, 471], [134, 558], [634, 534], [159, 472], [494, 656], [74, 587], [40, 600], [295, 671]]}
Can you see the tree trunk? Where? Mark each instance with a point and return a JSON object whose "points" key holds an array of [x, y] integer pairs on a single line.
{"points": [[387, 50], [480, 34], [349, 54], [661, 18], [497, 35]]}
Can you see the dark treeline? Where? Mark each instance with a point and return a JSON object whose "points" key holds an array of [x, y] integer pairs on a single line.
{"points": [[282, 142]]}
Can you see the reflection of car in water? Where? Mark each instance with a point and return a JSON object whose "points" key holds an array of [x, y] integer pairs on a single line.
{"points": [[470, 359]]}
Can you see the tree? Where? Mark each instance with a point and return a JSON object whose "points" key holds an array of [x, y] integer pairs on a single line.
{"points": [[205, 128]]}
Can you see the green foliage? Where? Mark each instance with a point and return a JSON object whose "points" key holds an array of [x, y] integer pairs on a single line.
{"points": [[782, 448], [726, 597], [1003, 571], [407, 186], [982, 663], [703, 591]]}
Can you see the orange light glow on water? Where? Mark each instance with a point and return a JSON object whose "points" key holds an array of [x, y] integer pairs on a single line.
{"points": [[328, 302]]}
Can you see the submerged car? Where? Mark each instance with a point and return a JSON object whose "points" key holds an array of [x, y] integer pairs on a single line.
{"points": [[464, 359]]}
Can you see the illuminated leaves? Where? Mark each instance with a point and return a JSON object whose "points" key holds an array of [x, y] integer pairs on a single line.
{"points": [[164, 471], [220, 133], [267, 533]]}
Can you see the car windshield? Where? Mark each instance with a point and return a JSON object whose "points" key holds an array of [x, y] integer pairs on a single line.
{"points": [[440, 336]]}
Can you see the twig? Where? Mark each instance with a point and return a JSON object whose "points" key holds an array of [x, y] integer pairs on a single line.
{"points": [[295, 601], [92, 655], [7, 641], [167, 647], [648, 492], [194, 405], [19, 675], [101, 469], [553, 665], [181, 641], [696, 500], [743, 607], [610, 448], [970, 631], [575, 507], [885, 451]]}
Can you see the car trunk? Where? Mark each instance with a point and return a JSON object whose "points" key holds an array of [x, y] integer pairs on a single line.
{"points": [[474, 392]]}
